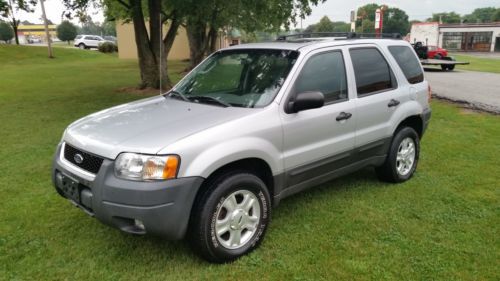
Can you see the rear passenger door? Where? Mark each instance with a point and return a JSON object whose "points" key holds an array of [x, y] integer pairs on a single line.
{"points": [[377, 97], [92, 41], [317, 141]]}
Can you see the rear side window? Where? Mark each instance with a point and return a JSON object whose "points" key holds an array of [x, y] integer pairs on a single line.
{"points": [[78, 37], [371, 70], [408, 62], [325, 73]]}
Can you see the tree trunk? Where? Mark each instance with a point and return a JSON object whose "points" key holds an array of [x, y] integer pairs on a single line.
{"points": [[168, 41], [156, 43], [147, 63], [152, 49], [14, 25], [198, 42], [213, 40]]}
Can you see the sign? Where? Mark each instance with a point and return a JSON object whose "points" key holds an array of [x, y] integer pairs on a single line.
{"points": [[377, 19]]}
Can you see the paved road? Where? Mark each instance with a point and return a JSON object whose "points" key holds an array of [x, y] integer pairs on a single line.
{"points": [[480, 89]]}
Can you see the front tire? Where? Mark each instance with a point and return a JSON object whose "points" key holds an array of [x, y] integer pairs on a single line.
{"points": [[231, 217], [401, 162]]}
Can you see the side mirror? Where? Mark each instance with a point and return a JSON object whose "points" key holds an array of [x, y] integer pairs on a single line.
{"points": [[306, 100]]}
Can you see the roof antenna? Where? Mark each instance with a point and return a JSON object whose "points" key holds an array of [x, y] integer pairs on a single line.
{"points": [[161, 51]]}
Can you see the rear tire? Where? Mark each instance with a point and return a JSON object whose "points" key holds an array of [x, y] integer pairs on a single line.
{"points": [[402, 159], [447, 67], [82, 46], [230, 218]]}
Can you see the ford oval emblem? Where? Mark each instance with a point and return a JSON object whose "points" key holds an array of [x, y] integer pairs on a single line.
{"points": [[78, 158]]}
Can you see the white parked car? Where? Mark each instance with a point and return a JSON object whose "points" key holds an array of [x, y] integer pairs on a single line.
{"points": [[88, 41]]}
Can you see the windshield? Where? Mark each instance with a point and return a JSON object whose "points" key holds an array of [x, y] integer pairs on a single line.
{"points": [[243, 78]]}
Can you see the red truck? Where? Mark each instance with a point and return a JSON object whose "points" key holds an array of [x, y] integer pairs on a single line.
{"points": [[434, 52], [433, 55]]}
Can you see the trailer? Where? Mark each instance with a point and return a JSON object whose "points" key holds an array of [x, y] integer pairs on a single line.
{"points": [[446, 63]]}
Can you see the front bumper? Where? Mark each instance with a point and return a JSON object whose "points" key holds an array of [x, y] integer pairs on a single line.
{"points": [[162, 207]]}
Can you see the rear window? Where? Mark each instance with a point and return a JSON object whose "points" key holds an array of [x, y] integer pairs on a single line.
{"points": [[78, 37], [373, 74], [408, 62]]}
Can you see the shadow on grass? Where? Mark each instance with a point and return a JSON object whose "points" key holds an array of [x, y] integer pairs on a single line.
{"points": [[145, 251]]}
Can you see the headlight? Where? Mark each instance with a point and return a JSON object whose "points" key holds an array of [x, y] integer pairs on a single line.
{"points": [[138, 167]]}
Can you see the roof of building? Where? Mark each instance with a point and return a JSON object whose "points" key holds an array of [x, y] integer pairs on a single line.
{"points": [[459, 25], [462, 25], [35, 27]]}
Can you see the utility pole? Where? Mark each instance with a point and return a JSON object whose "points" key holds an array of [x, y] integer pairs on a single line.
{"points": [[46, 29]]}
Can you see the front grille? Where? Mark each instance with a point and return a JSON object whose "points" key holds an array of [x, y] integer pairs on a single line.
{"points": [[89, 162]]}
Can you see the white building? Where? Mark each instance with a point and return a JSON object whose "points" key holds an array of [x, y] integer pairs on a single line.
{"points": [[483, 37]]}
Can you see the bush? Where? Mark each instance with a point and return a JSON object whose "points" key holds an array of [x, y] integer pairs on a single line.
{"points": [[108, 47], [6, 32], [66, 31]]}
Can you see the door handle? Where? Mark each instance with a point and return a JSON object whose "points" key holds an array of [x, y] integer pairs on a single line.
{"points": [[343, 116], [393, 102]]}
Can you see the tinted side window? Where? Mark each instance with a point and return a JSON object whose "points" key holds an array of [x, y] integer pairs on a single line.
{"points": [[408, 62], [324, 73], [371, 70]]}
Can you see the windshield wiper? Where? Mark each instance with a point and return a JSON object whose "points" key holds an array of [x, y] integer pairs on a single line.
{"points": [[209, 100], [173, 93]]}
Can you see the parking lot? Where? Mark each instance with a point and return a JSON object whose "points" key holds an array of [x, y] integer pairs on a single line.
{"points": [[480, 90]]}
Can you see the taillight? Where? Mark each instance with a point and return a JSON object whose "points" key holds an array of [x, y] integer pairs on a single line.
{"points": [[429, 93]]}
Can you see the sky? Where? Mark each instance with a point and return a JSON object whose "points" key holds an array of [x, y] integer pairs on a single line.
{"points": [[336, 10]]}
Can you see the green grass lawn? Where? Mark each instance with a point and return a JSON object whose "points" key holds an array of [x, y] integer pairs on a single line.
{"points": [[441, 225], [478, 64]]}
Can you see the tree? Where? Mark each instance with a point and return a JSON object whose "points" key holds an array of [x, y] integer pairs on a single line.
{"points": [[89, 26], [108, 28], [366, 12], [8, 10], [367, 26], [204, 20], [153, 46], [324, 25], [451, 17], [6, 32], [480, 15], [496, 16], [395, 20], [66, 31], [211, 16]]}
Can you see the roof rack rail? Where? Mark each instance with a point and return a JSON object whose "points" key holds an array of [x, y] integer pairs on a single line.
{"points": [[339, 35]]}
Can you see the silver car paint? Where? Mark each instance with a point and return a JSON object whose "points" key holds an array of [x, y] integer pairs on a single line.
{"points": [[207, 137], [146, 126]]}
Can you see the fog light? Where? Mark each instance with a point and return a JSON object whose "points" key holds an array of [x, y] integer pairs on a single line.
{"points": [[139, 224]]}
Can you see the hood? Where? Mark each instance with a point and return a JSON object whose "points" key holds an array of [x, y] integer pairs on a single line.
{"points": [[146, 126]]}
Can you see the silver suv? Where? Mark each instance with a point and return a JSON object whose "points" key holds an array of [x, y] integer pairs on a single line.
{"points": [[249, 126], [88, 41]]}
